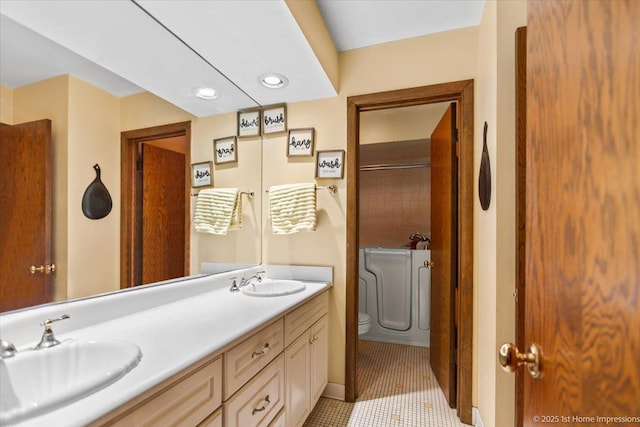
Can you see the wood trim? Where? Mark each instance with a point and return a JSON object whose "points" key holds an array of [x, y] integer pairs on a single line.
{"points": [[461, 92], [130, 142], [521, 178]]}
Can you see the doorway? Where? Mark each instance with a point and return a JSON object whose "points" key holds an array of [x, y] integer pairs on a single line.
{"points": [[461, 93], [155, 212]]}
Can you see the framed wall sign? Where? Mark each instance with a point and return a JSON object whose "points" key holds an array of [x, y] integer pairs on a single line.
{"points": [[249, 122], [300, 142], [225, 150], [274, 119], [201, 174], [330, 164]]}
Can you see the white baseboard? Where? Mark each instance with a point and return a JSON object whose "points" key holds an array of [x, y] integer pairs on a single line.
{"points": [[334, 391], [475, 417]]}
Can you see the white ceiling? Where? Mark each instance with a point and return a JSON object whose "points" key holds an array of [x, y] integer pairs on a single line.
{"points": [[359, 23], [171, 47]]}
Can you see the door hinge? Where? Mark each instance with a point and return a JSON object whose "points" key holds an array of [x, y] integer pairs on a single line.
{"points": [[139, 164], [455, 135]]}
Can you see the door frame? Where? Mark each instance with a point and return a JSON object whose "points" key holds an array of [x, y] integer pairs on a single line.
{"points": [[521, 187], [129, 207], [462, 93]]}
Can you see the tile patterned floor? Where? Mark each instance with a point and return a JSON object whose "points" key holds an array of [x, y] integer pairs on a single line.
{"points": [[397, 388]]}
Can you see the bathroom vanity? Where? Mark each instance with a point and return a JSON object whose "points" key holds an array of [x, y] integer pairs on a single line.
{"points": [[212, 358]]}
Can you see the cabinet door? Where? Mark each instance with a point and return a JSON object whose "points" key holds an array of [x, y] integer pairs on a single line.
{"points": [[319, 358], [298, 380]]}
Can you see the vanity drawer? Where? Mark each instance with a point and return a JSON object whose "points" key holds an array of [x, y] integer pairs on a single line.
{"points": [[301, 319], [246, 359], [259, 401], [185, 403]]}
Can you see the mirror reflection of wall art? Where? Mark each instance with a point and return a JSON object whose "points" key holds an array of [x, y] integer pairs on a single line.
{"points": [[96, 200], [249, 122], [300, 142], [225, 150], [330, 164], [274, 119], [201, 175]]}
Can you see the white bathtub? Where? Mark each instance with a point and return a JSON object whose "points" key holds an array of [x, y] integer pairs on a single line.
{"points": [[395, 291]]}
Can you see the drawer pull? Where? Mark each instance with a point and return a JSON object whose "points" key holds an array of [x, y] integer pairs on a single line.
{"points": [[262, 352], [265, 403]]}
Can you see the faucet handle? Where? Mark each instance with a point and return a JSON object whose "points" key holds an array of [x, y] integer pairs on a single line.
{"points": [[8, 349], [48, 338], [47, 323], [260, 273], [234, 284]]}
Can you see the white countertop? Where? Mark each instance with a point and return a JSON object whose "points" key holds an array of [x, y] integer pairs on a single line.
{"points": [[172, 337]]}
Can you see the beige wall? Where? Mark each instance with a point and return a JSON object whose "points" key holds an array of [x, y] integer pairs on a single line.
{"points": [[421, 61], [400, 124], [243, 245], [494, 260], [6, 105], [94, 138]]}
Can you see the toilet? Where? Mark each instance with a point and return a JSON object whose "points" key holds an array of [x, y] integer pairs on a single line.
{"points": [[364, 322]]}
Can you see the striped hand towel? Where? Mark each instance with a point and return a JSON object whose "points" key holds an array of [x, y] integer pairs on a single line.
{"points": [[218, 210], [292, 208]]}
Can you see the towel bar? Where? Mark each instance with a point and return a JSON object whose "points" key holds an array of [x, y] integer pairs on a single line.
{"points": [[332, 188], [250, 194]]}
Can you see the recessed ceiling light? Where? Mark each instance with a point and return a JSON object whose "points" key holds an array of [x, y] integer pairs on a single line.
{"points": [[273, 80], [205, 93]]}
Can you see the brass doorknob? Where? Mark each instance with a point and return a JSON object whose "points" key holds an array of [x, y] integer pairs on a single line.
{"points": [[428, 264], [46, 269], [510, 358]]}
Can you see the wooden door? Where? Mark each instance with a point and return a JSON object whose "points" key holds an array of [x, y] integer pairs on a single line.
{"points": [[25, 214], [443, 246], [163, 214], [583, 210]]}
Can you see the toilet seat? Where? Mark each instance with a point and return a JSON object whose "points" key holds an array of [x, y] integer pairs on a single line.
{"points": [[364, 322]]}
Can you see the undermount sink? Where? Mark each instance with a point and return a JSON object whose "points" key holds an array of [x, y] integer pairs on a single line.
{"points": [[273, 288], [36, 381]]}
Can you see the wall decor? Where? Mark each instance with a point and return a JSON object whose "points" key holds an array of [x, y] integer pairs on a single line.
{"points": [[274, 119], [96, 200], [201, 174], [484, 178], [330, 164], [225, 150], [249, 122], [300, 142]]}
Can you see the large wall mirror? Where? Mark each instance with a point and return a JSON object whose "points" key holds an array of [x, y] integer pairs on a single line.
{"points": [[46, 74]]}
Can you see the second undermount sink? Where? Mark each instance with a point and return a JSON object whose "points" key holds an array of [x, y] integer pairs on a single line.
{"points": [[273, 288], [36, 381]]}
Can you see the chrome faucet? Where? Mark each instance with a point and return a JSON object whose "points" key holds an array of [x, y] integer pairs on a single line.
{"points": [[235, 286], [258, 276], [8, 349], [48, 338]]}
